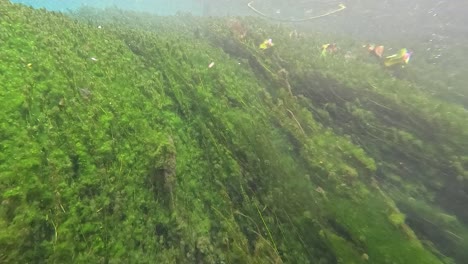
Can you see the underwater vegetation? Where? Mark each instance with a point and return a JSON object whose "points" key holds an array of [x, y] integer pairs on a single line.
{"points": [[132, 138]]}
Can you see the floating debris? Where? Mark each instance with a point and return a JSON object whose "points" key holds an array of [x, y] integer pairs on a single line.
{"points": [[376, 50], [320, 190], [268, 43], [61, 103], [86, 93], [211, 64], [401, 58], [329, 48]]}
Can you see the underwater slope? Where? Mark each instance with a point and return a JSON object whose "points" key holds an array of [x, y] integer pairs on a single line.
{"points": [[121, 145], [400, 123]]}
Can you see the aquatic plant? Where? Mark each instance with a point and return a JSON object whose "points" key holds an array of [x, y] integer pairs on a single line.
{"points": [[119, 143]]}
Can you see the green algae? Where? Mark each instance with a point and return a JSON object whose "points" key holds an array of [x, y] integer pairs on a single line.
{"points": [[145, 154]]}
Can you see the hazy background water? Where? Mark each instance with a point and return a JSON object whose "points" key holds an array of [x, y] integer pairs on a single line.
{"points": [[435, 21], [160, 7], [364, 16], [435, 30]]}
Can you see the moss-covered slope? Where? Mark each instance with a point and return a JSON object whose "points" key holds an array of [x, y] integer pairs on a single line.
{"points": [[118, 144]]}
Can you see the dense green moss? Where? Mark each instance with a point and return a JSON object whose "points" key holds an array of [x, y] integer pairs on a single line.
{"points": [[119, 144]]}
